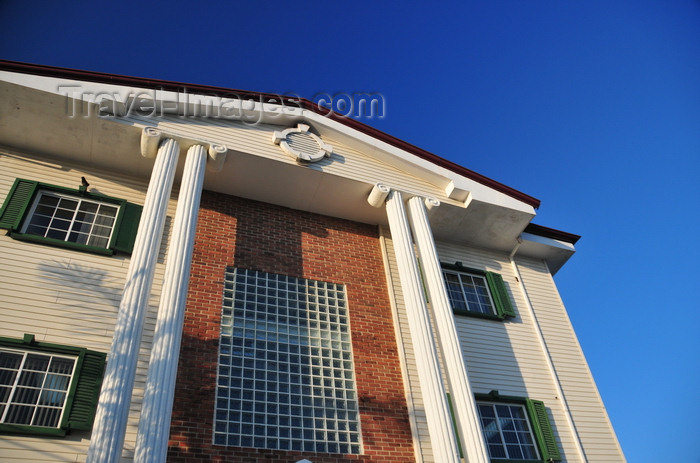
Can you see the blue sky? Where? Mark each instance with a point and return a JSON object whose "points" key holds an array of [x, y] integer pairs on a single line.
{"points": [[592, 107]]}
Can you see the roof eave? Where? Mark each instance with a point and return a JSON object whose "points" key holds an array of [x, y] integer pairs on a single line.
{"points": [[268, 98]]}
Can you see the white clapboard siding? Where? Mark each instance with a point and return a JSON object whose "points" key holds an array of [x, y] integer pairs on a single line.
{"points": [[257, 140], [587, 410], [68, 297], [68, 449], [507, 355], [500, 355]]}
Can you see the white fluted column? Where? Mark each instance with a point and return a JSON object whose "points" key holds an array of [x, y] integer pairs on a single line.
{"points": [[463, 403], [154, 424], [107, 437], [433, 392]]}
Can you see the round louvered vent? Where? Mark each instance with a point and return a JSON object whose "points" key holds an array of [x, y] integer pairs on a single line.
{"points": [[303, 145]]}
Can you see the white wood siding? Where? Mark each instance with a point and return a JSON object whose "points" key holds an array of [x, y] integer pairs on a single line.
{"points": [[506, 355], [590, 418], [67, 297], [500, 355]]}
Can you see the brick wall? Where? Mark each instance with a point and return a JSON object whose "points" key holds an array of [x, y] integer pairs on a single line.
{"points": [[237, 232]]}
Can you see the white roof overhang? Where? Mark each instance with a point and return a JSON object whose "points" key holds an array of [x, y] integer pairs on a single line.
{"points": [[82, 121]]}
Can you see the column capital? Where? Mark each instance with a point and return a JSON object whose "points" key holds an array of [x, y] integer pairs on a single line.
{"points": [[217, 156], [380, 192], [150, 139], [378, 195], [152, 136], [431, 203]]}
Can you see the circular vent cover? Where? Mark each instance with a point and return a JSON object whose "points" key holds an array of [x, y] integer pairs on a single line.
{"points": [[301, 144]]}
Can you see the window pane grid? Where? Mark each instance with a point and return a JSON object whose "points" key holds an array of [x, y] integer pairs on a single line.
{"points": [[33, 387], [70, 219], [507, 431], [468, 292], [285, 378]]}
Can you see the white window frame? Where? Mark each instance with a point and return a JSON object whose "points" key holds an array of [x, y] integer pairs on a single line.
{"points": [[500, 425], [487, 303], [12, 398], [90, 235]]}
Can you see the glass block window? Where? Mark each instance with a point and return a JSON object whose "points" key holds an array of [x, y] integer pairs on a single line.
{"points": [[507, 431], [33, 387], [468, 292], [71, 219], [285, 378]]}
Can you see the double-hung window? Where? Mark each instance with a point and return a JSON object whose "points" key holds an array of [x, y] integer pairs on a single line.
{"points": [[72, 219], [477, 293], [507, 431], [516, 429], [65, 217], [47, 388]]}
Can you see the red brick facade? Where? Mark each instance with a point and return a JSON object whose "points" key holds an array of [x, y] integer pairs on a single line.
{"points": [[248, 234]]}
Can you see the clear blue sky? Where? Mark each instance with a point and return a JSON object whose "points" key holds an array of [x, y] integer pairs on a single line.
{"points": [[591, 106]]}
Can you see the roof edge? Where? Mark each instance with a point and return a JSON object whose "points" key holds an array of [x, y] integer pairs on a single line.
{"points": [[552, 233], [114, 79]]}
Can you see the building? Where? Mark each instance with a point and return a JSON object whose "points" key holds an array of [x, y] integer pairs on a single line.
{"points": [[268, 282]]}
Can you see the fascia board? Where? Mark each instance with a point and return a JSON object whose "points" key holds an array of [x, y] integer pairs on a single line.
{"points": [[550, 242]]}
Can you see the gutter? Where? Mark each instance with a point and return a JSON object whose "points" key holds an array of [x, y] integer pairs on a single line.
{"points": [[547, 232]]}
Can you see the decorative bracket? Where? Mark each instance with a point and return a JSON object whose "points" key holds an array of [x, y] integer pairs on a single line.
{"points": [[378, 195], [217, 156], [151, 138], [431, 203]]}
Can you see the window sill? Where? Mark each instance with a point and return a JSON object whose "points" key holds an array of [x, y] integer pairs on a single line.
{"points": [[61, 244], [33, 430], [484, 316]]}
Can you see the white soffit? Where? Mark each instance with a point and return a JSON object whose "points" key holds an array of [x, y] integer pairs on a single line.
{"points": [[554, 252]]}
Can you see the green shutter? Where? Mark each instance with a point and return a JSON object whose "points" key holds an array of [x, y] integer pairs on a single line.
{"points": [[500, 295], [16, 203], [81, 412], [543, 430], [22, 194], [81, 402], [127, 227]]}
